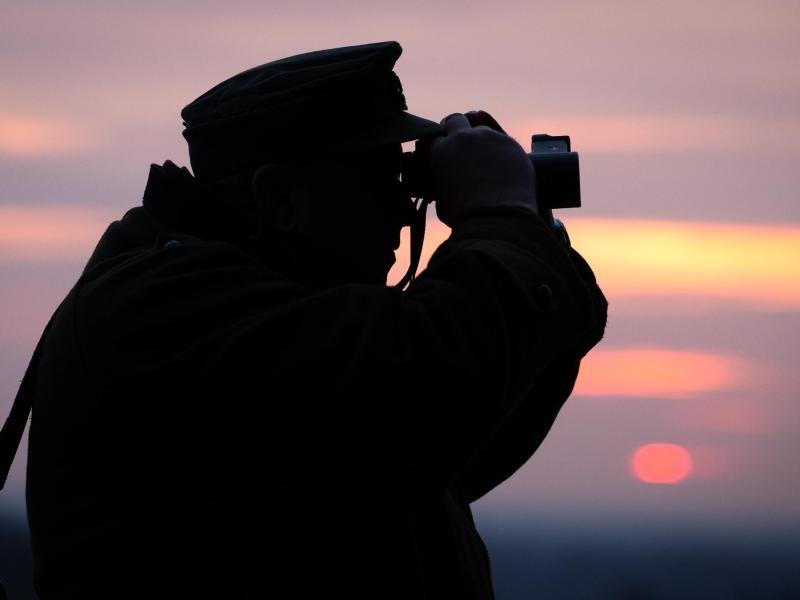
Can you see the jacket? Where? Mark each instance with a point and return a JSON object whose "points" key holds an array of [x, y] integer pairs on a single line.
{"points": [[204, 426]]}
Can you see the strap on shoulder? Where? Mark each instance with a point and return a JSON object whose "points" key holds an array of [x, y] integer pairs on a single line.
{"points": [[11, 434]]}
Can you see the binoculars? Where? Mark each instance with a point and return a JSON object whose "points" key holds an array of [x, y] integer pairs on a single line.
{"points": [[556, 166], [557, 177]]}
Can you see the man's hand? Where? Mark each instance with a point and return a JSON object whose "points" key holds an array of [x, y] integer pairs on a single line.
{"points": [[479, 168]]}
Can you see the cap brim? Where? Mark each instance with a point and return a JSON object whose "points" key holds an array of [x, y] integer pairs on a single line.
{"points": [[402, 127]]}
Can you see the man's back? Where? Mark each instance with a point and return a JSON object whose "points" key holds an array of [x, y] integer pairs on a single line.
{"points": [[203, 425]]}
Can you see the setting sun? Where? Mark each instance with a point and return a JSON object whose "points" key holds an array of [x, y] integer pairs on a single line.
{"points": [[661, 463]]}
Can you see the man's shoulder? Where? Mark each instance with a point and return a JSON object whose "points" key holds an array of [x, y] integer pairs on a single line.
{"points": [[132, 252], [168, 278]]}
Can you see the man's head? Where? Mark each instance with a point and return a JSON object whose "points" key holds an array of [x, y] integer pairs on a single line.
{"points": [[320, 133], [349, 207]]}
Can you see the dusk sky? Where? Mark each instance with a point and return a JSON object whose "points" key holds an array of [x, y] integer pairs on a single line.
{"points": [[686, 116]]}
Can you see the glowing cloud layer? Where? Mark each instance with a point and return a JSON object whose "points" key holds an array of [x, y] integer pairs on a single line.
{"points": [[631, 257], [635, 258], [656, 373], [34, 137], [50, 233]]}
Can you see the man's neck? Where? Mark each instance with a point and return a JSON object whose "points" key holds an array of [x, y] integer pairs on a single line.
{"points": [[309, 263]]}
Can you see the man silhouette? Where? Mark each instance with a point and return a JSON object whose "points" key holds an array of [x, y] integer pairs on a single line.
{"points": [[231, 403]]}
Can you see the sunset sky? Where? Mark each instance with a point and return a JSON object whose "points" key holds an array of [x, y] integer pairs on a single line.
{"points": [[686, 116]]}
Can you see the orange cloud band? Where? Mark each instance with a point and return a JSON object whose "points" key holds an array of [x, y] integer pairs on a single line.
{"points": [[658, 373], [631, 257], [636, 257], [648, 258]]}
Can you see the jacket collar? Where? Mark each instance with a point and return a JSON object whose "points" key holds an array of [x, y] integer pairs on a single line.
{"points": [[177, 204], [211, 211], [174, 202]]}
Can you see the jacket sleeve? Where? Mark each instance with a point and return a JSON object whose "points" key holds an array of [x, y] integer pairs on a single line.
{"points": [[522, 432], [512, 314], [526, 427]]}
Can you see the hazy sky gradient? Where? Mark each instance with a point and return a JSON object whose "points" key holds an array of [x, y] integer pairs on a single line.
{"points": [[687, 119]]}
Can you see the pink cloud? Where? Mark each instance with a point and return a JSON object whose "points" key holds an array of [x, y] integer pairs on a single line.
{"points": [[631, 134], [36, 136], [732, 415], [50, 233]]}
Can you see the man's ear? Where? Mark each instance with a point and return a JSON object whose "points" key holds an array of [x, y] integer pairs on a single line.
{"points": [[274, 188]]}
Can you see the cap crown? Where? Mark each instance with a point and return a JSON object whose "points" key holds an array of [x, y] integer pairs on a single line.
{"points": [[289, 79], [308, 103]]}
